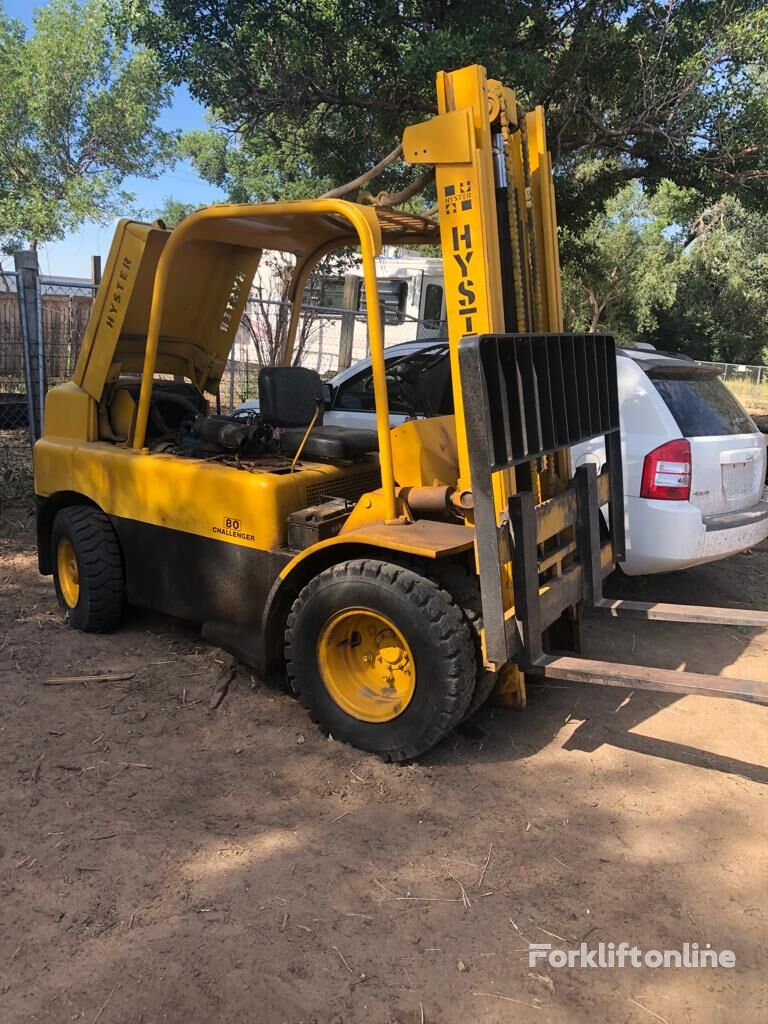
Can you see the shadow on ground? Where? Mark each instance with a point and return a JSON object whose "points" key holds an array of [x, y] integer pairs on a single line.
{"points": [[162, 861]]}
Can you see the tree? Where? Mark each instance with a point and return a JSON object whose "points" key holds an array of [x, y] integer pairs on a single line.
{"points": [[78, 114], [660, 269], [721, 307], [316, 92], [173, 211], [621, 272]]}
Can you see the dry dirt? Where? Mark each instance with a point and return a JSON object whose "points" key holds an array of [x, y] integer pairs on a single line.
{"points": [[161, 861]]}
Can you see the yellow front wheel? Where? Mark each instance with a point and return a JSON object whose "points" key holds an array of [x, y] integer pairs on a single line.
{"points": [[366, 665], [87, 568], [68, 572], [381, 656]]}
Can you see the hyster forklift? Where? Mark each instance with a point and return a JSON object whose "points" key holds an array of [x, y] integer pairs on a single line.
{"points": [[396, 575]]}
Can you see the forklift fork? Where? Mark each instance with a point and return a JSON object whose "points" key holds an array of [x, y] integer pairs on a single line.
{"points": [[525, 396]]}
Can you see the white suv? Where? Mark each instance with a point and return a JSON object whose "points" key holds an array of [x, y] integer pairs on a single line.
{"points": [[694, 464], [694, 461]]}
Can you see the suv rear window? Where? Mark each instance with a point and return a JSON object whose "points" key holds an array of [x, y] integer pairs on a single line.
{"points": [[702, 405]]}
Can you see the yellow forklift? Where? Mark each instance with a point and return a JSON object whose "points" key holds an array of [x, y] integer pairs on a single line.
{"points": [[397, 575]]}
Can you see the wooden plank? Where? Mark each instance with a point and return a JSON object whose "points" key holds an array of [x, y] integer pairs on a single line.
{"points": [[687, 613], [643, 677], [114, 677]]}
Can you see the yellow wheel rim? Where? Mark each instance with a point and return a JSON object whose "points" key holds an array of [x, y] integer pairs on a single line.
{"points": [[366, 665], [69, 578]]}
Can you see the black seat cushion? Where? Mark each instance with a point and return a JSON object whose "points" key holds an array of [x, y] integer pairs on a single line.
{"points": [[330, 442], [288, 395]]}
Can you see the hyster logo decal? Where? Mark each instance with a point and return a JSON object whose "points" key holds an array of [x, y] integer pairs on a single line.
{"points": [[231, 528], [458, 200], [116, 298], [461, 244]]}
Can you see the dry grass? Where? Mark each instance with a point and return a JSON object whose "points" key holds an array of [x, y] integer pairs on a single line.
{"points": [[753, 397], [15, 466]]}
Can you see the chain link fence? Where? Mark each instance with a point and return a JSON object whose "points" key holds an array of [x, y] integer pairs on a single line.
{"points": [[42, 325], [748, 383], [43, 322], [328, 339]]}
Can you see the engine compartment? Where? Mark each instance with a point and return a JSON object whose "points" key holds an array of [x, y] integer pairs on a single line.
{"points": [[180, 423]]}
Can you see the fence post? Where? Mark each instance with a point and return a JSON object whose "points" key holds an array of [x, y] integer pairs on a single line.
{"points": [[232, 379], [347, 332], [32, 342]]}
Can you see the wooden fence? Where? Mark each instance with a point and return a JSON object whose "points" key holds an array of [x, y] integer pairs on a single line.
{"points": [[65, 318]]}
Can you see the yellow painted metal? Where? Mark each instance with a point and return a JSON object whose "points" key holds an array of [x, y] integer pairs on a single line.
{"points": [[122, 414], [425, 452], [467, 203], [70, 412], [205, 296], [255, 225], [68, 573], [191, 495], [422, 539], [366, 665], [171, 301], [545, 220], [469, 233], [370, 508], [469, 237], [445, 139], [510, 691], [300, 449]]}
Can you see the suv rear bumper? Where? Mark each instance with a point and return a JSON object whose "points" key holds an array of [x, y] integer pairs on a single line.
{"points": [[663, 536], [733, 520]]}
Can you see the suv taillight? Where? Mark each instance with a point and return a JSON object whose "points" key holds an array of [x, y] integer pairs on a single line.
{"points": [[667, 472]]}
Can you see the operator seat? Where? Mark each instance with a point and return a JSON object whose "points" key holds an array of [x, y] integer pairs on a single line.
{"points": [[288, 399]]}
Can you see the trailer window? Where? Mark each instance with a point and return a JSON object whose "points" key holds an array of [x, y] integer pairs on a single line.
{"points": [[703, 406], [393, 296], [433, 306]]}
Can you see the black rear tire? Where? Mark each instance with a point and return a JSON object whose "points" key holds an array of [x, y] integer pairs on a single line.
{"points": [[434, 629], [96, 606]]}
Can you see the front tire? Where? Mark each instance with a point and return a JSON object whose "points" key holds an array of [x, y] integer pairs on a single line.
{"points": [[88, 569], [381, 657]]}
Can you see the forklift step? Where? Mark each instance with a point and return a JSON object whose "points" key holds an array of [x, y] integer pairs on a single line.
{"points": [[644, 677]]}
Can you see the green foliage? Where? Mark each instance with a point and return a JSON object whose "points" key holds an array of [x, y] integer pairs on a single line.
{"points": [[317, 90], [173, 211], [78, 114], [721, 309], [621, 271], [248, 168], [637, 273]]}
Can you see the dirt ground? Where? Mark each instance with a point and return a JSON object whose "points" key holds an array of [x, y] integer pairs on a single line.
{"points": [[162, 861]]}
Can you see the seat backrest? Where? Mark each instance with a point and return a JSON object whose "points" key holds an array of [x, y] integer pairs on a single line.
{"points": [[288, 395]]}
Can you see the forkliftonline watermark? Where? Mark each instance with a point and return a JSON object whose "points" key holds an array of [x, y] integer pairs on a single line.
{"points": [[621, 954]]}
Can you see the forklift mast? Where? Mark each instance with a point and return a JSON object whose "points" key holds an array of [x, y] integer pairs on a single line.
{"points": [[525, 392]]}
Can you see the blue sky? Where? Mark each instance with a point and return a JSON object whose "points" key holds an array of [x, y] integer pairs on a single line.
{"points": [[72, 256]]}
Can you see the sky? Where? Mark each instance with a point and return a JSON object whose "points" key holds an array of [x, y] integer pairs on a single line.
{"points": [[71, 257]]}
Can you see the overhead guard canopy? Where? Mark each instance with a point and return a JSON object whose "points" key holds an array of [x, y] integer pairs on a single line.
{"points": [[215, 255]]}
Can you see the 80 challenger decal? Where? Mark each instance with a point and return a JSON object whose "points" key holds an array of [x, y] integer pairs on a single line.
{"points": [[232, 528]]}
